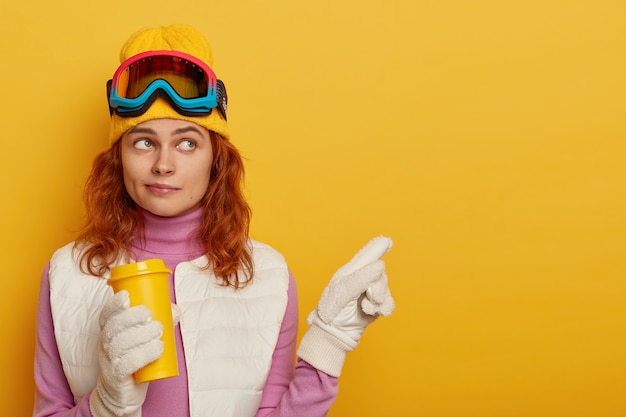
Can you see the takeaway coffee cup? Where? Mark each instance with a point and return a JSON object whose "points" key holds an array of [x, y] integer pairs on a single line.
{"points": [[147, 284]]}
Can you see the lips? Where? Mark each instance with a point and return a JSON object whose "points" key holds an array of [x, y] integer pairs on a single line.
{"points": [[161, 189]]}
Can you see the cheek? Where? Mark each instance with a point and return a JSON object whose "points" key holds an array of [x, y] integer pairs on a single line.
{"points": [[128, 185], [202, 179], [130, 175], [202, 184]]}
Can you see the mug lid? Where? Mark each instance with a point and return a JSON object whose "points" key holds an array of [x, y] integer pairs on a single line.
{"points": [[149, 266]]}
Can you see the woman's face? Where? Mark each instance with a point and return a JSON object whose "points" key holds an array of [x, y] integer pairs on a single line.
{"points": [[167, 165]]}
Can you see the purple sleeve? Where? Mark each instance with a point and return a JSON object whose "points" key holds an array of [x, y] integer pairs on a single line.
{"points": [[303, 392], [53, 396]]}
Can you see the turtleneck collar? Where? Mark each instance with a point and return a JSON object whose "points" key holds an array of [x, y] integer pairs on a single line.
{"points": [[169, 236]]}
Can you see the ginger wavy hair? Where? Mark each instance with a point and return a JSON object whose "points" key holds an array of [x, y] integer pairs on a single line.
{"points": [[113, 221]]}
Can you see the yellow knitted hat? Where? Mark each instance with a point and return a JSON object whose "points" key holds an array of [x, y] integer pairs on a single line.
{"points": [[180, 38]]}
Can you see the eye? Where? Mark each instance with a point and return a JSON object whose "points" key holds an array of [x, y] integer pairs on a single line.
{"points": [[187, 145], [143, 144]]}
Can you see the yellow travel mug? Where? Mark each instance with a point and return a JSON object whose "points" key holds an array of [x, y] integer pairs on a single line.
{"points": [[147, 284]]}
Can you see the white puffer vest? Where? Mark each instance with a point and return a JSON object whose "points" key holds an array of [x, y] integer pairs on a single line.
{"points": [[229, 335]]}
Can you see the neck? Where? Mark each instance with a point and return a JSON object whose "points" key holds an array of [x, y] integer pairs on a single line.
{"points": [[169, 236]]}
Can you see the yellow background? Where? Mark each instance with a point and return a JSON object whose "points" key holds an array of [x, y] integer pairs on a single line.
{"points": [[487, 138]]}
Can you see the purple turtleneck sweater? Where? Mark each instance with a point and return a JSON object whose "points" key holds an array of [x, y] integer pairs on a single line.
{"points": [[300, 392]]}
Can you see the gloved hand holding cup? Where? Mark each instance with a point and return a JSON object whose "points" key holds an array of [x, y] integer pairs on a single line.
{"points": [[147, 284]]}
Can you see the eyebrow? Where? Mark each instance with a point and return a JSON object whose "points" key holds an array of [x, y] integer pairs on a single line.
{"points": [[187, 129], [138, 129]]}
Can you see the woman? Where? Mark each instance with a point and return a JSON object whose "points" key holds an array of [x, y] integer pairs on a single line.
{"points": [[169, 187]]}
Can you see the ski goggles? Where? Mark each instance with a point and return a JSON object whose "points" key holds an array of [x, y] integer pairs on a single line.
{"points": [[187, 83]]}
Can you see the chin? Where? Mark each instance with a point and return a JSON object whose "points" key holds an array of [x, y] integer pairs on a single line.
{"points": [[169, 211], [161, 212]]}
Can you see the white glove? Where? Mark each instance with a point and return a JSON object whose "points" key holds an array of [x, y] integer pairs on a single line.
{"points": [[356, 295], [129, 340]]}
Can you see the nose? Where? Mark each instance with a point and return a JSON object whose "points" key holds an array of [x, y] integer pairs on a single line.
{"points": [[164, 163]]}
